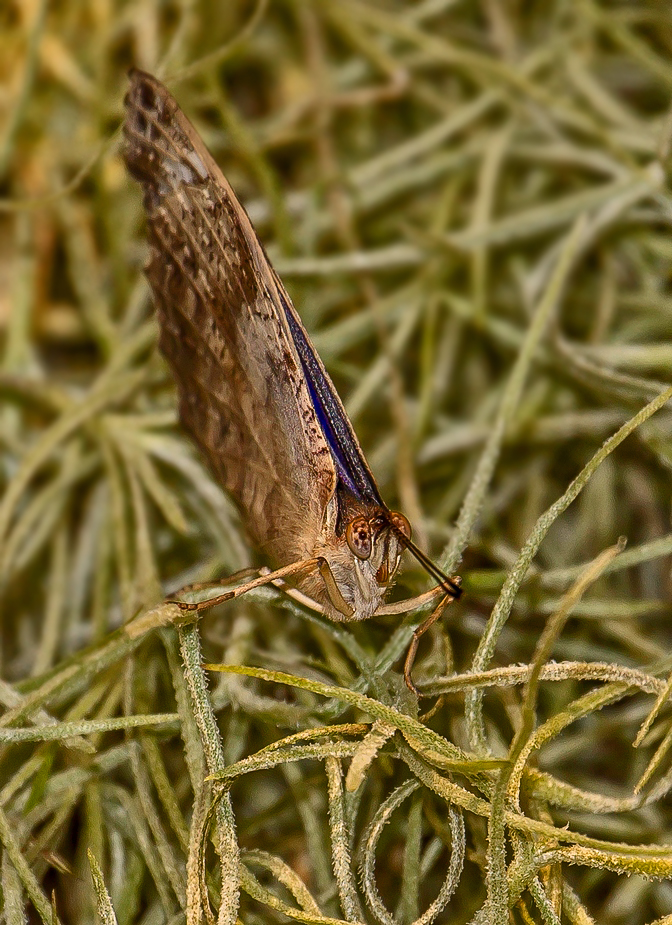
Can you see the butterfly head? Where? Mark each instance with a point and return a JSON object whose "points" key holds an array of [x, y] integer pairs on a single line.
{"points": [[377, 539], [362, 551]]}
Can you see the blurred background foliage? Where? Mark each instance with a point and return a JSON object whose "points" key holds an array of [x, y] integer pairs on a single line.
{"points": [[429, 178]]}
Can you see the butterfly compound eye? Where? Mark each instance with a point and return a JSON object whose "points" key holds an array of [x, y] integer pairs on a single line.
{"points": [[400, 523], [358, 537]]}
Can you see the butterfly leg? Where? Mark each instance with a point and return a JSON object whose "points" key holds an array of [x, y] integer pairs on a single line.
{"points": [[333, 591], [220, 583], [415, 641], [285, 572]]}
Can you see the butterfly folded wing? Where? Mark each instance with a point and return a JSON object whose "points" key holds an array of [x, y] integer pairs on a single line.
{"points": [[242, 392]]}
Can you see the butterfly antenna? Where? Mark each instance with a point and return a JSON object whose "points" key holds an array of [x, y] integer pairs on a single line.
{"points": [[449, 585]]}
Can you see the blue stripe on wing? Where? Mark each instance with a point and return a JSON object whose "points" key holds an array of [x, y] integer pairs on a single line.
{"points": [[350, 466]]}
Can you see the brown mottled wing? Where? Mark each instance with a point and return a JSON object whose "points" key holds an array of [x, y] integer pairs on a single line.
{"points": [[223, 330]]}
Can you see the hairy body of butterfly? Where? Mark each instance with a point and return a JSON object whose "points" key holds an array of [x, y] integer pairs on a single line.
{"points": [[253, 392]]}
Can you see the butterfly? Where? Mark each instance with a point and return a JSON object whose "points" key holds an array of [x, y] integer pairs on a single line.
{"points": [[253, 392]]}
